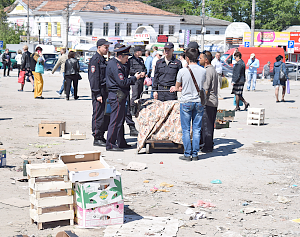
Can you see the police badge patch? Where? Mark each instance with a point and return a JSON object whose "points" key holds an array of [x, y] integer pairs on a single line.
{"points": [[119, 66], [93, 69], [121, 76]]}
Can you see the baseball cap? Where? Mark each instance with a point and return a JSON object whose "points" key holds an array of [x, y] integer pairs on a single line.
{"points": [[252, 55], [193, 45], [136, 49], [101, 42], [169, 45]]}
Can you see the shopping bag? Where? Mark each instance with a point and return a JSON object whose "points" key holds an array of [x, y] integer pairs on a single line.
{"points": [[39, 68], [148, 81], [288, 89], [234, 102], [21, 78], [225, 83]]}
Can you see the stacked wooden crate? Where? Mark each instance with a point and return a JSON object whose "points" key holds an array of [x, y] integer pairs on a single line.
{"points": [[223, 118], [256, 116], [50, 193]]}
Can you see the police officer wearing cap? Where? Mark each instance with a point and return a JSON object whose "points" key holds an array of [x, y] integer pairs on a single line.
{"points": [[128, 116], [96, 74], [166, 70], [137, 65], [117, 84]]}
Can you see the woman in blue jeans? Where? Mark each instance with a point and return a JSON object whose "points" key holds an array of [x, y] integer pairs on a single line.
{"points": [[191, 109]]}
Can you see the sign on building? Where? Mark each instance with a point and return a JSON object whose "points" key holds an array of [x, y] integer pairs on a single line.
{"points": [[291, 46], [162, 38]]}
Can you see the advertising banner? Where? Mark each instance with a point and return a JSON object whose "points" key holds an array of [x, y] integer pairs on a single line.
{"points": [[58, 29], [268, 38], [49, 29]]}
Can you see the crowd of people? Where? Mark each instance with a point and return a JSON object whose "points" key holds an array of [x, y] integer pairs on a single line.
{"points": [[197, 75]]}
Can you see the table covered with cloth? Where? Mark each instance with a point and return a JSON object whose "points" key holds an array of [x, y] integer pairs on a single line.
{"points": [[159, 121]]}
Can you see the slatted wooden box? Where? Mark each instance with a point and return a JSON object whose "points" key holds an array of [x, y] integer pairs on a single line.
{"points": [[50, 193], [256, 116]]}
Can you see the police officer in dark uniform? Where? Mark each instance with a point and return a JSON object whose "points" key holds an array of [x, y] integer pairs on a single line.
{"points": [[117, 84], [96, 74], [165, 75], [136, 65], [128, 116]]}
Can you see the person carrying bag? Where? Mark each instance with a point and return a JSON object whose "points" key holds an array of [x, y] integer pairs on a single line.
{"points": [[37, 73]]}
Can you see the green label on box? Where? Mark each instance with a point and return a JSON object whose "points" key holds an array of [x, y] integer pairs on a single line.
{"points": [[103, 195]]}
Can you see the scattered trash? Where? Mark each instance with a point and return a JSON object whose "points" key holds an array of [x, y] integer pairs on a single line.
{"points": [[201, 203], [166, 185], [66, 233], [245, 204], [282, 199], [249, 210], [262, 141], [161, 163], [136, 166], [293, 107], [216, 181], [294, 185], [146, 181], [155, 189], [240, 128], [223, 134], [194, 215], [296, 220], [73, 136], [184, 204]]}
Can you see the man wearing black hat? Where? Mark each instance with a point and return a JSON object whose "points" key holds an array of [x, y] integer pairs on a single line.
{"points": [[136, 65], [117, 85], [96, 74], [166, 70]]}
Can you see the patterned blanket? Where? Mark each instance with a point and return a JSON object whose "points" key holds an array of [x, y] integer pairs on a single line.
{"points": [[159, 121]]}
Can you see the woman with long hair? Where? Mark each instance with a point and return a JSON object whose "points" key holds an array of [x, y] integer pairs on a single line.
{"points": [[279, 66]]}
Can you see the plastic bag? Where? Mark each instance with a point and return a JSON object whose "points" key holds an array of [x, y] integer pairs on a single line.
{"points": [[21, 77], [234, 102], [148, 81], [225, 83], [288, 89]]}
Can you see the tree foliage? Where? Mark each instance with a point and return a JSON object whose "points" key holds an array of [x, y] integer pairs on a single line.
{"points": [[270, 14]]}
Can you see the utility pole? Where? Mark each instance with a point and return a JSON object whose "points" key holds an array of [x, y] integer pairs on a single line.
{"points": [[252, 23], [67, 26], [203, 28], [28, 38]]}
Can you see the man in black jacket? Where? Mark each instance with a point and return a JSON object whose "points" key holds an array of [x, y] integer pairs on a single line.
{"points": [[136, 65], [97, 78], [6, 62], [26, 65]]}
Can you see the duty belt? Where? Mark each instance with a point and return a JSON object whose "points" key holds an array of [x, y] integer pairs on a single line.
{"points": [[165, 87]]}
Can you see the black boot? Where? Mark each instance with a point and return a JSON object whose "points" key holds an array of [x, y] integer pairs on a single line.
{"points": [[100, 142], [133, 131], [133, 110]]}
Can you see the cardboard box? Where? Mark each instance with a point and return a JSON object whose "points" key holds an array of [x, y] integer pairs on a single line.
{"points": [[98, 193], [2, 157], [87, 166], [112, 214], [51, 128]]}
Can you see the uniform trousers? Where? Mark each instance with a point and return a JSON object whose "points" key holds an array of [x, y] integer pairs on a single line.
{"points": [[164, 96], [38, 84], [100, 121], [137, 89], [208, 123], [128, 116], [115, 133]]}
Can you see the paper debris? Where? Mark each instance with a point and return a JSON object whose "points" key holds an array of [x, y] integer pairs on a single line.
{"points": [[136, 166]]}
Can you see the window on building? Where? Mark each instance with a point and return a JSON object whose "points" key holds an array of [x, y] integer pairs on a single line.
{"points": [[105, 29], [117, 29], [217, 32], [128, 29], [89, 28], [46, 28], [171, 30], [161, 29], [140, 24], [208, 32], [151, 25], [54, 30], [198, 32]]}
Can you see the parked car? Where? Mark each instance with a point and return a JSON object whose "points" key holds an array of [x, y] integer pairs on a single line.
{"points": [[227, 70], [291, 70], [12, 55], [50, 63]]}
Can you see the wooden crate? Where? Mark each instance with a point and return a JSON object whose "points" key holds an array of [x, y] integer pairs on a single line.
{"points": [[221, 124], [256, 116], [50, 193]]}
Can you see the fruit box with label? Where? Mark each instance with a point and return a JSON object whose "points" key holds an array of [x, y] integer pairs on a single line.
{"points": [[111, 214], [87, 166], [98, 193]]}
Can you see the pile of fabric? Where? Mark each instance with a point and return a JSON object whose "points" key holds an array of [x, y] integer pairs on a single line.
{"points": [[159, 121]]}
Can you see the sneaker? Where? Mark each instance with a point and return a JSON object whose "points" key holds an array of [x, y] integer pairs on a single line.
{"points": [[59, 94], [195, 158], [186, 158]]}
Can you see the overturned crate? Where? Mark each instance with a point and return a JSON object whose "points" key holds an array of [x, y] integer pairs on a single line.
{"points": [[50, 193], [256, 116]]}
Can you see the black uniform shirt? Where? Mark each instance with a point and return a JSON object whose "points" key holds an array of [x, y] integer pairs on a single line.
{"points": [[136, 65], [96, 74], [116, 77], [165, 75]]}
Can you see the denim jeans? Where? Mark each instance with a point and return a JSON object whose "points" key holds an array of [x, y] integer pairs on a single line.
{"points": [[191, 111], [251, 76], [63, 86]]}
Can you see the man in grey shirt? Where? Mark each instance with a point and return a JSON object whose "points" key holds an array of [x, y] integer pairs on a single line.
{"points": [[190, 104], [211, 85]]}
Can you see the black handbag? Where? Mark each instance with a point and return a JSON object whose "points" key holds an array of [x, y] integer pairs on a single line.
{"points": [[282, 76], [201, 93]]}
